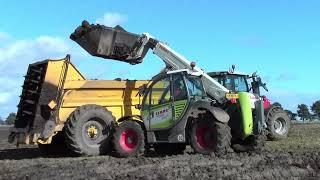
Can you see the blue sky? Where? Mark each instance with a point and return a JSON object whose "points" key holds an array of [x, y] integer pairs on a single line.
{"points": [[278, 38]]}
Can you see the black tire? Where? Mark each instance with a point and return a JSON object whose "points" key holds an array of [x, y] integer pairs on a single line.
{"points": [[203, 132], [88, 129], [169, 148], [56, 148], [253, 143], [278, 123], [128, 139]]}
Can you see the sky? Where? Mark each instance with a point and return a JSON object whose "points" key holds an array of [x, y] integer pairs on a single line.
{"points": [[279, 39]]}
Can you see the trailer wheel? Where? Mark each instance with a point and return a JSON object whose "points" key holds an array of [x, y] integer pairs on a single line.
{"points": [[210, 136], [87, 130], [128, 139], [169, 148], [278, 123]]}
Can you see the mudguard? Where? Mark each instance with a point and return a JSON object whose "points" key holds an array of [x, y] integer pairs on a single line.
{"points": [[246, 113], [218, 113]]}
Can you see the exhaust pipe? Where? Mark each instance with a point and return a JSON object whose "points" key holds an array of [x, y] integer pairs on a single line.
{"points": [[107, 42]]}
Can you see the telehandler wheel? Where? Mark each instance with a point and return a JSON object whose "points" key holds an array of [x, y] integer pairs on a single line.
{"points": [[169, 148], [210, 136], [278, 123], [87, 130], [128, 139]]}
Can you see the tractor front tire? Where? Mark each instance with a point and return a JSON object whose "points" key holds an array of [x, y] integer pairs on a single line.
{"points": [[128, 139], [278, 124], [87, 130], [210, 136]]}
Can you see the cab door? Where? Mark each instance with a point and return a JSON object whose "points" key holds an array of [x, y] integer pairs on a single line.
{"points": [[158, 105]]}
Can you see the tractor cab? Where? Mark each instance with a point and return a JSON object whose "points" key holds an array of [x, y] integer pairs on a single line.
{"points": [[235, 82]]}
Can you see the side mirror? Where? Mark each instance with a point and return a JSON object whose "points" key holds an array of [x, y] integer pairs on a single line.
{"points": [[254, 74]]}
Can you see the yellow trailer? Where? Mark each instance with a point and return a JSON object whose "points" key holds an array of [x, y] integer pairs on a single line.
{"points": [[58, 105]]}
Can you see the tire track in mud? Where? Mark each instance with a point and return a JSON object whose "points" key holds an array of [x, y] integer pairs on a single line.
{"points": [[275, 164]]}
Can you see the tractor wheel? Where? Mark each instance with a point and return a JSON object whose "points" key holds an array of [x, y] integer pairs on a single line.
{"points": [[253, 143], [128, 139], [169, 148], [56, 148], [278, 124], [87, 130], [210, 136]]}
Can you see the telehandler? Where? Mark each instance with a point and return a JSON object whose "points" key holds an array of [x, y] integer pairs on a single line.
{"points": [[183, 104]]}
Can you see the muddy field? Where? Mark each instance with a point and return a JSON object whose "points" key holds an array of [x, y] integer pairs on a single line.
{"points": [[298, 156]]}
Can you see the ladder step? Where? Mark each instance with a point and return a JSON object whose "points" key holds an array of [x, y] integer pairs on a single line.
{"points": [[28, 112], [36, 70]]}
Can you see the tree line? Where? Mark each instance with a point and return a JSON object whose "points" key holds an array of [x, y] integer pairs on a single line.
{"points": [[9, 120], [304, 112]]}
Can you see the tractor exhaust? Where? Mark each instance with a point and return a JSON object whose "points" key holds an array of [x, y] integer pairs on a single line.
{"points": [[107, 42]]}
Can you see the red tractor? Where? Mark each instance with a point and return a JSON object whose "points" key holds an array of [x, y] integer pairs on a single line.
{"points": [[278, 121]]}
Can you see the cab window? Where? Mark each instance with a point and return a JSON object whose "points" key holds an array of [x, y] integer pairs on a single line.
{"points": [[160, 92], [179, 88], [195, 86], [240, 84]]}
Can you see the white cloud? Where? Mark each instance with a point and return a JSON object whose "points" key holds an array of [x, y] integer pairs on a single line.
{"points": [[17, 55], [112, 19], [4, 97], [4, 35]]}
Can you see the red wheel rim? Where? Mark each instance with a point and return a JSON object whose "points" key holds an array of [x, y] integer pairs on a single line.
{"points": [[128, 140], [205, 137]]}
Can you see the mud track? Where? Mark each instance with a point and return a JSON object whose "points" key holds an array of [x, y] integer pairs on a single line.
{"points": [[299, 157]]}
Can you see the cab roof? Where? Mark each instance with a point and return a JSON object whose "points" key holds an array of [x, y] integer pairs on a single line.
{"points": [[220, 73]]}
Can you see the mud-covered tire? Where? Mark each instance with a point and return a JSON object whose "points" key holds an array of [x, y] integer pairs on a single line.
{"points": [[278, 123], [79, 136], [57, 147], [210, 136], [128, 139], [253, 143], [169, 148], [259, 142]]}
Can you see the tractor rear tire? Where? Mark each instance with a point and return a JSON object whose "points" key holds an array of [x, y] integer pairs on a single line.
{"points": [[169, 148], [278, 124], [210, 136], [87, 130], [128, 139]]}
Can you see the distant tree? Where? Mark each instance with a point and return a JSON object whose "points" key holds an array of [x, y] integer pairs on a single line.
{"points": [[2, 121], [276, 104], [303, 112], [11, 118], [315, 108], [292, 115]]}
